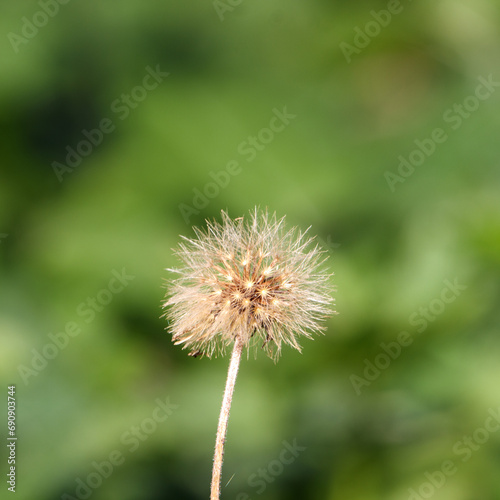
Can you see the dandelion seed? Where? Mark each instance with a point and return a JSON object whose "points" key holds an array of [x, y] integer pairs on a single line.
{"points": [[246, 283], [297, 293]]}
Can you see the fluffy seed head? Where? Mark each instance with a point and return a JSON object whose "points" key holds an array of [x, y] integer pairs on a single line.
{"points": [[249, 278]]}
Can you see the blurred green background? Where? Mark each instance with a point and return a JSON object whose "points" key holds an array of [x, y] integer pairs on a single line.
{"points": [[368, 426]]}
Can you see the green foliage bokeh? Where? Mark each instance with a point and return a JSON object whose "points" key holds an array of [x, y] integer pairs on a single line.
{"points": [[331, 167]]}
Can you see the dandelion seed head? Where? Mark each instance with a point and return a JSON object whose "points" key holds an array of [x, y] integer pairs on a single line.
{"points": [[249, 278]]}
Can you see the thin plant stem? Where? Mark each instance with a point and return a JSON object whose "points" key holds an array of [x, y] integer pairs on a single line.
{"points": [[220, 440]]}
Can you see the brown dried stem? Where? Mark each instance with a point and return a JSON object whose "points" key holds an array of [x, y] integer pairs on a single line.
{"points": [[223, 418]]}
